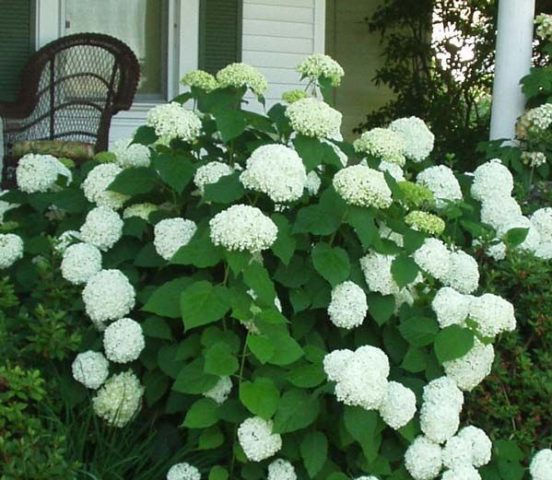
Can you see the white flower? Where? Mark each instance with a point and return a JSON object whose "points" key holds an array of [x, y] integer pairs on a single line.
{"points": [[443, 390], [211, 173], [281, 470], [377, 273], [91, 369], [544, 26], [451, 307], [439, 422], [382, 143], [334, 363], [183, 471], [172, 120], [363, 186], [535, 121], [130, 154], [39, 173], [457, 452], [433, 257], [533, 159], [532, 240], [481, 446], [219, 393], [423, 459], [108, 295], [242, 227], [200, 79], [257, 440], [497, 251], [464, 472], [440, 180], [140, 210], [239, 75], [417, 137], [492, 314], [463, 272], [171, 234], [542, 220], [348, 305], [320, 65], [398, 406], [123, 341], [392, 169], [11, 249], [102, 228], [80, 262], [312, 184], [499, 212], [541, 465], [66, 239], [492, 179], [119, 399], [277, 171], [314, 118]]}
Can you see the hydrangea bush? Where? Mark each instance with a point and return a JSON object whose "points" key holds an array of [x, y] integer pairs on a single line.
{"points": [[276, 292]]}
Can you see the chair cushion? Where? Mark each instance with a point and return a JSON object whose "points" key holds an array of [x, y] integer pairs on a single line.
{"points": [[58, 148]]}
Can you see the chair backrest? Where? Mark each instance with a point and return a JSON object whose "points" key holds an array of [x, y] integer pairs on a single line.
{"points": [[71, 88]]}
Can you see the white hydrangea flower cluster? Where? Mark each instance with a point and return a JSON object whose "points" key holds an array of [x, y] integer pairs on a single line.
{"points": [[363, 186], [281, 469], [171, 234], [39, 173], [348, 305], [424, 459], [96, 184], [200, 79], [464, 472], [140, 210], [183, 471], [243, 228], [123, 341], [11, 249], [118, 401], [377, 273], [471, 369], [425, 222], [392, 169], [544, 26], [80, 262], [277, 171], [172, 120], [492, 315], [102, 228], [312, 183], [418, 138], [91, 369], [220, 392], [462, 273], [533, 159], [440, 180], [398, 406], [257, 440], [382, 143], [451, 307], [211, 173], [542, 221], [433, 257], [492, 179], [314, 118], [541, 465], [534, 122], [108, 295], [320, 65], [130, 154], [239, 75]]}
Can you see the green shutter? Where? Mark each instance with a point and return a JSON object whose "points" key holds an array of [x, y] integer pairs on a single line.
{"points": [[15, 44], [220, 27]]}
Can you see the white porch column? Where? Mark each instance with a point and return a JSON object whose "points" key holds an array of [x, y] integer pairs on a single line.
{"points": [[513, 61]]}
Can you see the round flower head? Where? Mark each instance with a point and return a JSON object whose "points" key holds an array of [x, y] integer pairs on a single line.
{"points": [[314, 118], [91, 369], [382, 143], [377, 273], [200, 79], [415, 196], [123, 341], [463, 472], [442, 183], [481, 445], [463, 272], [119, 399], [313, 182], [418, 139], [492, 179], [425, 222], [433, 257], [442, 391], [398, 406], [243, 228], [80, 262], [11, 249], [533, 159], [210, 173], [257, 440], [277, 171], [541, 465], [281, 470], [544, 26], [348, 305], [457, 452], [492, 314], [240, 75], [183, 471], [171, 234], [108, 295], [130, 154], [334, 363], [439, 421], [534, 122], [140, 210], [451, 307], [498, 212], [220, 392], [392, 169], [319, 65], [542, 221], [362, 186], [172, 120], [39, 173], [423, 459], [102, 228]]}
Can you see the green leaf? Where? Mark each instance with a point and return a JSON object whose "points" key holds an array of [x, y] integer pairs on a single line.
{"points": [[381, 307], [133, 181], [230, 123], [261, 347], [260, 397], [363, 224], [315, 219], [415, 360], [419, 331], [453, 342], [285, 244], [156, 327], [192, 379], [202, 303], [167, 360], [71, 200], [199, 252], [165, 301], [176, 170], [314, 451], [331, 263], [237, 261], [257, 278], [227, 190], [314, 152], [155, 384], [149, 258], [297, 410], [218, 473], [219, 360], [286, 349], [202, 414], [362, 425], [210, 438], [515, 237], [145, 135], [306, 376], [404, 270]]}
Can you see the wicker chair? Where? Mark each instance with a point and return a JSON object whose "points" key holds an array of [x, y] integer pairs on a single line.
{"points": [[69, 91]]}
